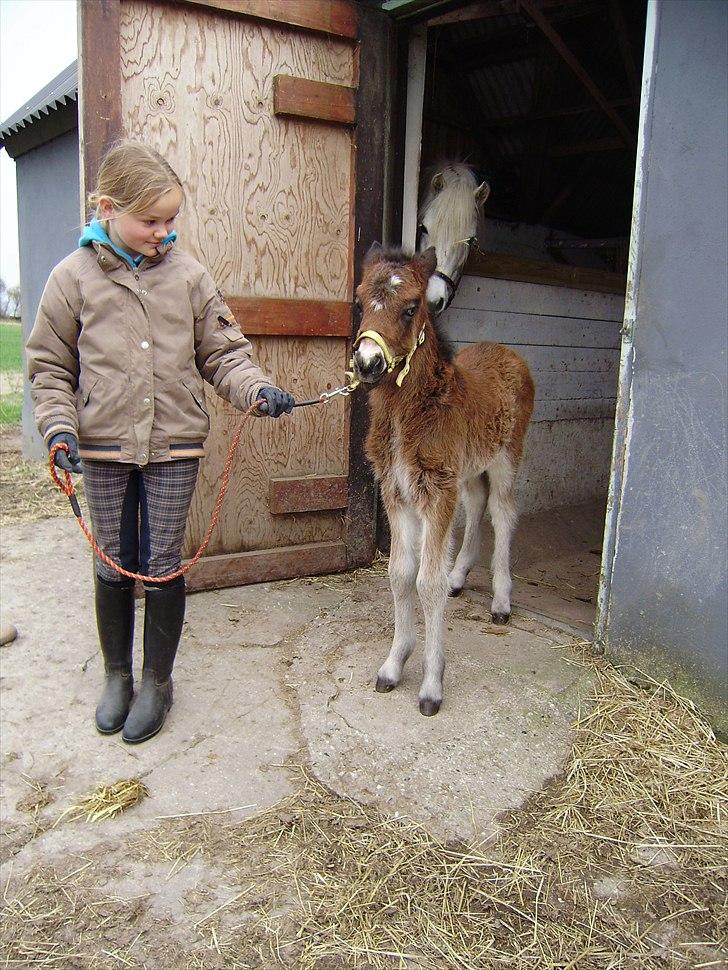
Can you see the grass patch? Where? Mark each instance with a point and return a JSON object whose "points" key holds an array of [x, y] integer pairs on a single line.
{"points": [[11, 407], [11, 346]]}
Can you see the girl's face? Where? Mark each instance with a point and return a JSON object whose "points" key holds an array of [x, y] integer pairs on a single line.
{"points": [[139, 233]]}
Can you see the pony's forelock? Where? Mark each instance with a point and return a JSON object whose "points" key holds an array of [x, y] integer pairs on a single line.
{"points": [[450, 212]]}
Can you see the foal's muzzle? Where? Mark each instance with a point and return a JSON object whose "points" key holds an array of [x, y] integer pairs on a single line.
{"points": [[369, 363]]}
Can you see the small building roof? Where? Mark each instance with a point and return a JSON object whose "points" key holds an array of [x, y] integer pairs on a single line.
{"points": [[49, 113]]}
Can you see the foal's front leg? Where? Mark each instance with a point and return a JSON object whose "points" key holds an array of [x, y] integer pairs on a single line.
{"points": [[432, 586], [403, 562]]}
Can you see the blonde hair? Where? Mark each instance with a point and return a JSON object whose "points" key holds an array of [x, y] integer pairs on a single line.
{"points": [[132, 176]]}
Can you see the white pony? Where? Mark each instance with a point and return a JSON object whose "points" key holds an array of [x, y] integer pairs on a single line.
{"points": [[448, 220]]}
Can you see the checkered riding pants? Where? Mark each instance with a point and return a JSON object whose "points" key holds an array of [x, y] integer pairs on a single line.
{"points": [[139, 513]]}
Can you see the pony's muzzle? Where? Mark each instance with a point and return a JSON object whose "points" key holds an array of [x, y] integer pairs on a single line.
{"points": [[439, 294], [369, 362]]}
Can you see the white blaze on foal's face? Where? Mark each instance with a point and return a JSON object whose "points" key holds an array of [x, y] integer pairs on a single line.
{"points": [[386, 311]]}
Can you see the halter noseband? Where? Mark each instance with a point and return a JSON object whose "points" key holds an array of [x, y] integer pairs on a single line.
{"points": [[390, 359]]}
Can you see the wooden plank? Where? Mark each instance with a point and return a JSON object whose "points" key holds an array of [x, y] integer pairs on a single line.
{"points": [[99, 96], [595, 360], [310, 494], [336, 17], [267, 566], [299, 97], [565, 52], [514, 296], [416, 68], [375, 65], [528, 329], [291, 318], [576, 409], [507, 267]]}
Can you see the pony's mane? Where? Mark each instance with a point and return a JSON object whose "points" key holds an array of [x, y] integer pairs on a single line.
{"points": [[452, 211], [400, 257]]}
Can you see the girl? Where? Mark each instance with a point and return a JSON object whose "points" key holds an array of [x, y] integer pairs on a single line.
{"points": [[128, 326]]}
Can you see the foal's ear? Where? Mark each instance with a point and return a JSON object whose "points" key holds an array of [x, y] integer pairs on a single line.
{"points": [[481, 193], [373, 254], [428, 261], [438, 182]]}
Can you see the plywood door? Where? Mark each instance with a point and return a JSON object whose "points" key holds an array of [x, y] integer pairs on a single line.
{"points": [[257, 119]]}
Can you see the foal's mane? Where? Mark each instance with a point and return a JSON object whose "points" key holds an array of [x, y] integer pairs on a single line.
{"points": [[451, 209], [400, 257]]}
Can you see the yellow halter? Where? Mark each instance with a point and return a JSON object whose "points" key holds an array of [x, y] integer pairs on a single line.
{"points": [[389, 357]]}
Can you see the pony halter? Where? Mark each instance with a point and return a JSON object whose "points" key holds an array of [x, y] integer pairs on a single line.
{"points": [[391, 360]]}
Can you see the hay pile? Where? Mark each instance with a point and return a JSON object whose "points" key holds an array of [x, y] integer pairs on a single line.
{"points": [[622, 863]]}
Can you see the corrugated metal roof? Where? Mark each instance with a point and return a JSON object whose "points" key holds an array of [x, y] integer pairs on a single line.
{"points": [[54, 95]]}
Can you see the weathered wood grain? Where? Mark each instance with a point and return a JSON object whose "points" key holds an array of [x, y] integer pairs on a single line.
{"points": [[268, 199], [310, 441], [269, 212]]}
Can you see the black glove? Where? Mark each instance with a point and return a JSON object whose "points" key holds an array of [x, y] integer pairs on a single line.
{"points": [[275, 402], [68, 461]]}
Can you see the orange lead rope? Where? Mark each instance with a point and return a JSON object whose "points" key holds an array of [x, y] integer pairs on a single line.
{"points": [[68, 489]]}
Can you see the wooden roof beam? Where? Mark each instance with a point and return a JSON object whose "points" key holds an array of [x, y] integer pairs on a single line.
{"points": [[555, 38], [516, 121], [625, 47], [485, 9]]}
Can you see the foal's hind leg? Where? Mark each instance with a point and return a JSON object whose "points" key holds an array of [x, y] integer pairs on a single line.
{"points": [[403, 564], [501, 474], [474, 495]]}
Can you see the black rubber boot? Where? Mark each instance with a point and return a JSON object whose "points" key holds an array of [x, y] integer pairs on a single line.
{"points": [[115, 621], [163, 618]]}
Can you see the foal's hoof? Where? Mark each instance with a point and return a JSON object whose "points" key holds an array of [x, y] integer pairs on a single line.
{"points": [[384, 686], [500, 618], [428, 707], [455, 591]]}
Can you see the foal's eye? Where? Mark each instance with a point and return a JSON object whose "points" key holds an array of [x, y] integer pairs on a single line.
{"points": [[410, 311]]}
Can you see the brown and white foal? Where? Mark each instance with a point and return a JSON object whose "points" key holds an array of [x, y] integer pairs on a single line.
{"points": [[438, 427]]}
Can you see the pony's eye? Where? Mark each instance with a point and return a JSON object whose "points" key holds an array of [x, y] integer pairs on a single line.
{"points": [[410, 311], [357, 305]]}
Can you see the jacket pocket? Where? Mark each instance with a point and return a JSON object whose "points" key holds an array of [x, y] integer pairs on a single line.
{"points": [[198, 396], [103, 408]]}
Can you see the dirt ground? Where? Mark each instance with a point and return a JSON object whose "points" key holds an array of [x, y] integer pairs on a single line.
{"points": [[296, 818]]}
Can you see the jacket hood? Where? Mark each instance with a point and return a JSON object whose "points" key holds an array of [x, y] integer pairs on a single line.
{"points": [[94, 232]]}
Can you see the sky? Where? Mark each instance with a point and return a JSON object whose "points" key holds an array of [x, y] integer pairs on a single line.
{"points": [[37, 41]]}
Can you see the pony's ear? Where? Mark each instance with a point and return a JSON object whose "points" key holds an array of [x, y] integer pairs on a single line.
{"points": [[428, 261], [438, 182], [373, 253], [481, 193]]}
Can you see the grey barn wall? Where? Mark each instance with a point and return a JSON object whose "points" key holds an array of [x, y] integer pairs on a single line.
{"points": [[664, 604], [48, 220], [570, 339]]}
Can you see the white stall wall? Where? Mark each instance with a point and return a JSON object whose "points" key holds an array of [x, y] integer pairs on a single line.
{"points": [[570, 339]]}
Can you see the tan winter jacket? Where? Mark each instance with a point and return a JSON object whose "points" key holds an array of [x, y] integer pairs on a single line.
{"points": [[118, 356]]}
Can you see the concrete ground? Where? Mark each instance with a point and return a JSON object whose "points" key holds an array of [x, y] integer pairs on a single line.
{"points": [[281, 674]]}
